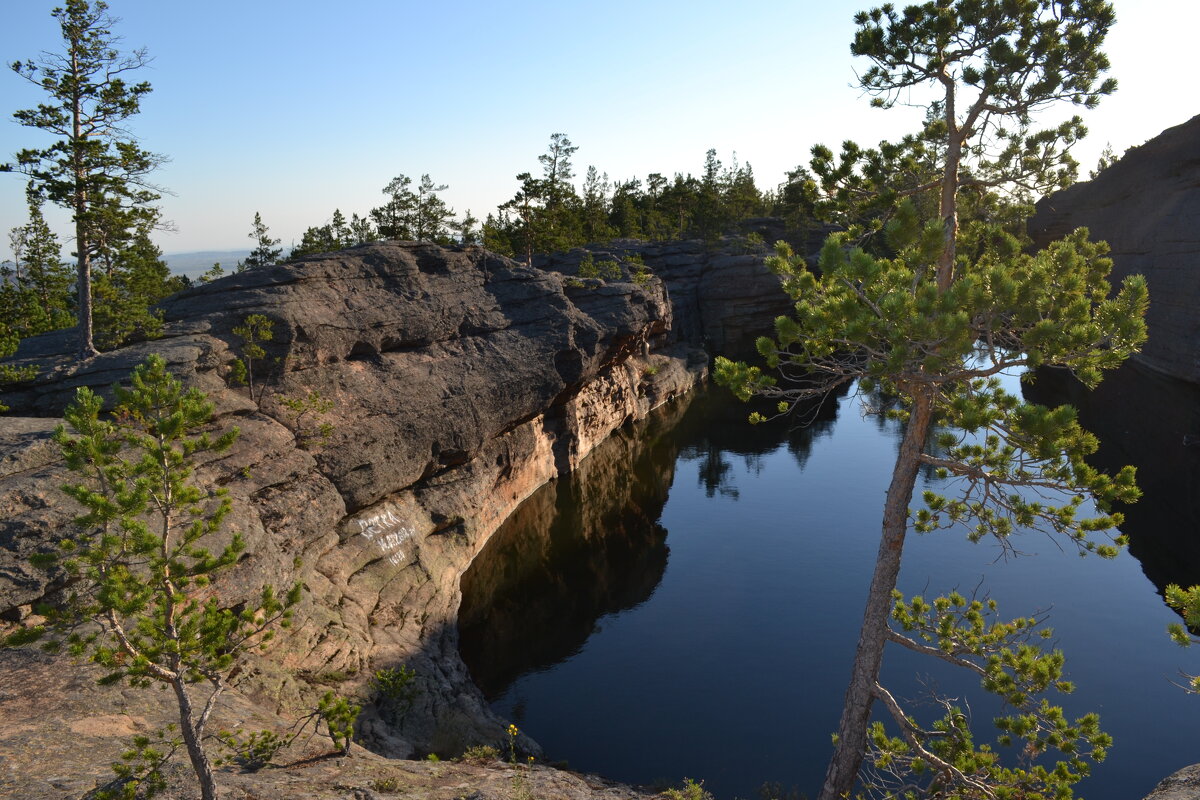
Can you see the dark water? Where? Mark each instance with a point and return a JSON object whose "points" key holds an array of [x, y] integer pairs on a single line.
{"points": [[687, 604]]}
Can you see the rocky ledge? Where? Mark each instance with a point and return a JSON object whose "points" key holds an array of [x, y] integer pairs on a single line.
{"points": [[1147, 207], [461, 382]]}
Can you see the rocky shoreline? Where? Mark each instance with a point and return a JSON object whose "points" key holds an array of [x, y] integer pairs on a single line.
{"points": [[462, 381]]}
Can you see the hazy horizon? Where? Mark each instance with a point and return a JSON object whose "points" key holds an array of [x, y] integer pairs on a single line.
{"points": [[320, 108]]}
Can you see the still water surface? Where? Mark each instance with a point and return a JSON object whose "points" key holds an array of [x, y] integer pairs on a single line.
{"points": [[688, 603]]}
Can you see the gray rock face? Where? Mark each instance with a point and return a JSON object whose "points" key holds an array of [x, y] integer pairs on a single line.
{"points": [[721, 299], [1147, 207], [462, 381], [1181, 785]]}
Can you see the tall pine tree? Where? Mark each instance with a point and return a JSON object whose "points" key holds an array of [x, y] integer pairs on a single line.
{"points": [[96, 167], [944, 310]]}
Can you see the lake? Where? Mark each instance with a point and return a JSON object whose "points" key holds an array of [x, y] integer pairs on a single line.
{"points": [[687, 603]]}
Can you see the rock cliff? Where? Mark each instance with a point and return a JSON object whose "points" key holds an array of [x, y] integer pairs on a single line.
{"points": [[1147, 207], [461, 380], [722, 296]]}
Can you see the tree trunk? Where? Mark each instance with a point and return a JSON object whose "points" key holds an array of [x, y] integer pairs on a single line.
{"points": [[848, 754], [83, 287], [83, 240], [948, 201], [191, 738]]}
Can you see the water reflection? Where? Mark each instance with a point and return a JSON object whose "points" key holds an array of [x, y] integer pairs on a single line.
{"points": [[623, 655], [582, 547], [591, 543], [1152, 421], [722, 433]]}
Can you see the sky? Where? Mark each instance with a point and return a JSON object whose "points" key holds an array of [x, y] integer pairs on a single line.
{"points": [[295, 108]]}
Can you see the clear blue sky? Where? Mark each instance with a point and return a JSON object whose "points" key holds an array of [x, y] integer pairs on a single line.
{"points": [[295, 108]]}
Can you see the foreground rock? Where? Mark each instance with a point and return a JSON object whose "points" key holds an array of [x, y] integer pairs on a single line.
{"points": [[462, 381], [1182, 785], [60, 746], [1147, 207]]}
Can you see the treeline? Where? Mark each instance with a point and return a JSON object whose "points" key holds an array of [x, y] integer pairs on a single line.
{"points": [[549, 212]]}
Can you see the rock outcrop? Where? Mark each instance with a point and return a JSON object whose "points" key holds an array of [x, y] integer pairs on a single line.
{"points": [[462, 381], [720, 299], [1147, 207]]}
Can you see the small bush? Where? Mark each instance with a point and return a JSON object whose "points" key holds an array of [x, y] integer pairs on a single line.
{"points": [[396, 686], [587, 266], [691, 790], [479, 755], [339, 715], [311, 432], [252, 752], [639, 273], [386, 784]]}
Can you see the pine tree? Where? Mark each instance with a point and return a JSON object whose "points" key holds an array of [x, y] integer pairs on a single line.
{"points": [[524, 235], [337, 234], [96, 167], [140, 565], [362, 231], [340, 229], [266, 251], [558, 170], [35, 291], [133, 278], [430, 213], [316, 240], [394, 219], [467, 229], [940, 310], [594, 213]]}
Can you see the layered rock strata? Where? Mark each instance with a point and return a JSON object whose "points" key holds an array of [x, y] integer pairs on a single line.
{"points": [[461, 380], [721, 299], [1147, 207]]}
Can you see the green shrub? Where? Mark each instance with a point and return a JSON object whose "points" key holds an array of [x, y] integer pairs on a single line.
{"points": [[396, 686], [479, 755], [587, 266], [252, 752], [386, 784], [691, 790], [311, 432], [338, 714]]}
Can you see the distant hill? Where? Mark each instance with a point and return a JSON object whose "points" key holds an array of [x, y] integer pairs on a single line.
{"points": [[197, 262]]}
